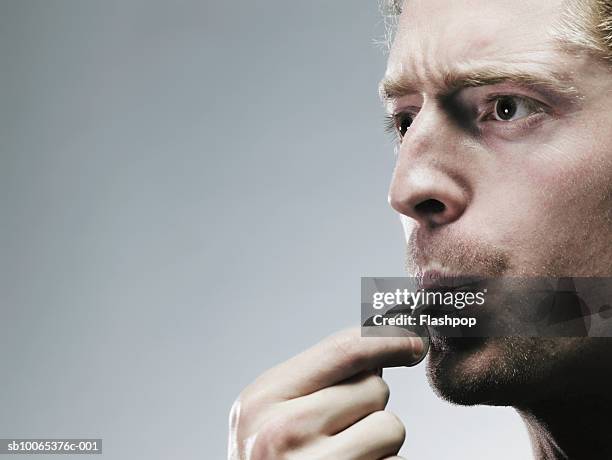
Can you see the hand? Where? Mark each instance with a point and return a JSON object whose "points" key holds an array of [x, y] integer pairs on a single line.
{"points": [[325, 403]]}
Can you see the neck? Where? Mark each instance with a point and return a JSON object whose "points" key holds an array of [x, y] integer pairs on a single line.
{"points": [[571, 429]]}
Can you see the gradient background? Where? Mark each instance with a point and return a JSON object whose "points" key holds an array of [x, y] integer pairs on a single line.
{"points": [[190, 193]]}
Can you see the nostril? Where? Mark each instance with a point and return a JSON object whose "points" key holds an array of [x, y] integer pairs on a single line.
{"points": [[429, 207]]}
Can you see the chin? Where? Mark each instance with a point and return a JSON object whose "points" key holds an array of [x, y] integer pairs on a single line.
{"points": [[492, 371]]}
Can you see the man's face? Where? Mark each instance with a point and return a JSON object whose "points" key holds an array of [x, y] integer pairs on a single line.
{"points": [[504, 168]]}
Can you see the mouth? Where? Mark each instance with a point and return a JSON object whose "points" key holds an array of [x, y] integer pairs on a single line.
{"points": [[445, 280]]}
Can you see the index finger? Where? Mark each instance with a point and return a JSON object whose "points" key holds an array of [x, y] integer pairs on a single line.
{"points": [[336, 358]]}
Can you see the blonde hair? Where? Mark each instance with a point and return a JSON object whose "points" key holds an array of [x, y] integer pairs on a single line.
{"points": [[585, 25]]}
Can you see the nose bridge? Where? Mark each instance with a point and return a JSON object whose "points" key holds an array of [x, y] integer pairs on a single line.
{"points": [[426, 184], [422, 133]]}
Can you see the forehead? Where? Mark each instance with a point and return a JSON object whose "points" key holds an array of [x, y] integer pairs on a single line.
{"points": [[438, 35]]}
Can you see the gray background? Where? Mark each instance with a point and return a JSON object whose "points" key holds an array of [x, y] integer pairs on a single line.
{"points": [[190, 193]]}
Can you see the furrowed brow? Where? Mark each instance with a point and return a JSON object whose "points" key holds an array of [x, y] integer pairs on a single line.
{"points": [[392, 88]]}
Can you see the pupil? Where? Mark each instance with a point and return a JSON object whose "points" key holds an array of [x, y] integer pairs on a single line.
{"points": [[506, 108], [404, 125]]}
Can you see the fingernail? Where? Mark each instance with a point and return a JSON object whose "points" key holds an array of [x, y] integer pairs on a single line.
{"points": [[420, 347]]}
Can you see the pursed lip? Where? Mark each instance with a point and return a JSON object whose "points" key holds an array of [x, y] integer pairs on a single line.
{"points": [[438, 280]]}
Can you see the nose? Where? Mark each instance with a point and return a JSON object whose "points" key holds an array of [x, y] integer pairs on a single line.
{"points": [[428, 194]]}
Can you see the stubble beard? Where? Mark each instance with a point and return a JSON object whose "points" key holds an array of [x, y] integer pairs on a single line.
{"points": [[490, 370]]}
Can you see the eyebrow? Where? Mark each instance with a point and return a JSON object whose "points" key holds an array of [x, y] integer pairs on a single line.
{"points": [[392, 88]]}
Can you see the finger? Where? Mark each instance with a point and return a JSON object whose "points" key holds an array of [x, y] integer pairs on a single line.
{"points": [[379, 435], [332, 409], [336, 358]]}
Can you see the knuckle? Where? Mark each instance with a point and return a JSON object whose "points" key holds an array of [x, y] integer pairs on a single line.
{"points": [[347, 349], [234, 413], [245, 414], [238, 434], [241, 410], [276, 438], [239, 430], [393, 426], [380, 390], [248, 403]]}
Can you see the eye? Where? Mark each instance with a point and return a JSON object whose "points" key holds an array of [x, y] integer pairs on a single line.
{"points": [[510, 108], [404, 120], [398, 124]]}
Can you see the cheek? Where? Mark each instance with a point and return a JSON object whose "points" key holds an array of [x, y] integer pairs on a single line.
{"points": [[516, 214], [550, 210], [573, 182]]}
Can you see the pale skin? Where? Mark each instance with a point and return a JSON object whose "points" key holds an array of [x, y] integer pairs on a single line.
{"points": [[327, 402], [504, 169]]}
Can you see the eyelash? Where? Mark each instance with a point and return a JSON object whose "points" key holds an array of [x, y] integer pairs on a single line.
{"points": [[390, 124], [536, 106], [393, 121]]}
